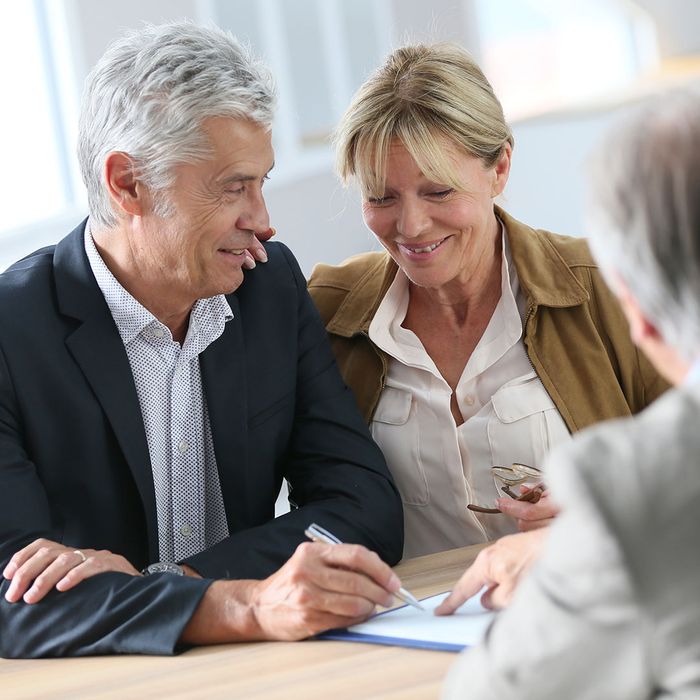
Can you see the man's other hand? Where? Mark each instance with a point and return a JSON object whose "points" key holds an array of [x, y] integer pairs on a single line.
{"points": [[44, 564]]}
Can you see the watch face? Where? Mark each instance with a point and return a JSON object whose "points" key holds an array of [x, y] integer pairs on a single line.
{"points": [[164, 567]]}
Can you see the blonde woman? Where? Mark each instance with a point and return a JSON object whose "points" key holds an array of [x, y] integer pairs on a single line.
{"points": [[474, 340]]}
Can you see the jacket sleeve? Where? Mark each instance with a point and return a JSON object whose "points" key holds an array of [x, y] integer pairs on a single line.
{"points": [[110, 613], [573, 628], [337, 475]]}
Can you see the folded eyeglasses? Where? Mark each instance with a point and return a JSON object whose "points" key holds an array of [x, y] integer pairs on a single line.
{"points": [[510, 477]]}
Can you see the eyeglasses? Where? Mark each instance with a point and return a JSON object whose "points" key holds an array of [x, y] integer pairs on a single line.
{"points": [[508, 478]]}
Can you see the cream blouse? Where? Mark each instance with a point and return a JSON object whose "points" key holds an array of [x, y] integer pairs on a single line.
{"points": [[508, 417]]}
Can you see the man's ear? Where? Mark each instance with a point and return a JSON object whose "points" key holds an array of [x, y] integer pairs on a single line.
{"points": [[642, 330], [126, 191]]}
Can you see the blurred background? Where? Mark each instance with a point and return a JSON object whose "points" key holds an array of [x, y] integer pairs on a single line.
{"points": [[561, 68]]}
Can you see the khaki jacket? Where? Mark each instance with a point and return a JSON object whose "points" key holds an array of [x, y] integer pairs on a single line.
{"points": [[576, 335]]}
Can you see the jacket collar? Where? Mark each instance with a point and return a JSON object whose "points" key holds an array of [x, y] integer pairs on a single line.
{"points": [[544, 277], [97, 348]]}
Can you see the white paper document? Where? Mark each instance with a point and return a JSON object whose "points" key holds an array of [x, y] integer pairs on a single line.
{"points": [[406, 626]]}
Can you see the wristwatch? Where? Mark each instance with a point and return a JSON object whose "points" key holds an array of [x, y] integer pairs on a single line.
{"points": [[163, 567]]}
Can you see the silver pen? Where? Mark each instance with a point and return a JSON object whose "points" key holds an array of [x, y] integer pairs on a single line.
{"points": [[318, 534]]}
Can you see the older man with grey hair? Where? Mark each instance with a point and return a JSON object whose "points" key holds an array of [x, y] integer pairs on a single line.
{"points": [[610, 609], [152, 401]]}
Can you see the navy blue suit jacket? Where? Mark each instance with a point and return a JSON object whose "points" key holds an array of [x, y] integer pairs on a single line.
{"points": [[74, 462]]}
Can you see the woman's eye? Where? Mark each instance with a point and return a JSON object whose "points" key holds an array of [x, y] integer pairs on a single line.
{"points": [[441, 194], [377, 201]]}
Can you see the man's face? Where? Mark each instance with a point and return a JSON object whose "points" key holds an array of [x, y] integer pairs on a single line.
{"points": [[216, 206]]}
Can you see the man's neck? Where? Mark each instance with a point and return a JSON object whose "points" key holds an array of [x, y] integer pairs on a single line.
{"points": [[142, 283]]}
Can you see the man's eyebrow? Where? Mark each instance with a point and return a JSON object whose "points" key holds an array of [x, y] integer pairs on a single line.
{"points": [[238, 177], [243, 177]]}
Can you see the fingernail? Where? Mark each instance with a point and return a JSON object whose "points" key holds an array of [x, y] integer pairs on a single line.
{"points": [[394, 583], [30, 594], [263, 255], [9, 571]]}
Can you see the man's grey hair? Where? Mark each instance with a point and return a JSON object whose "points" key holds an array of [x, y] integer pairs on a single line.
{"points": [[148, 95], [644, 214]]}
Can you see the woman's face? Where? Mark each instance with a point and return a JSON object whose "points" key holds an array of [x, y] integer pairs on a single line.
{"points": [[437, 235]]}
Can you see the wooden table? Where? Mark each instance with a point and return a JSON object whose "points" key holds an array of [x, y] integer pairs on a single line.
{"points": [[307, 670]]}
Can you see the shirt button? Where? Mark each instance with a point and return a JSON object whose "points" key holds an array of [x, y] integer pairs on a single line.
{"points": [[185, 530], [469, 399], [158, 332], [183, 446]]}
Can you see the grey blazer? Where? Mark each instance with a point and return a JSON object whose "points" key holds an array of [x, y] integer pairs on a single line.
{"points": [[612, 609]]}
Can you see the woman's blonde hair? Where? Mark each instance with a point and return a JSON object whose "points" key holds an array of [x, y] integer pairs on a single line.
{"points": [[422, 96]]}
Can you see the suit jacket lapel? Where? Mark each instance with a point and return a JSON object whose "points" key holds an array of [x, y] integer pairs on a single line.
{"points": [[224, 381], [97, 348]]}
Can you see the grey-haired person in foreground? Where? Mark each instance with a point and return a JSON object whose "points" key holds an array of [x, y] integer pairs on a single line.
{"points": [[154, 396], [610, 607]]}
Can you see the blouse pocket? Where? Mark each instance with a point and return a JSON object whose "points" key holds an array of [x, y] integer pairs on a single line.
{"points": [[525, 424], [395, 430]]}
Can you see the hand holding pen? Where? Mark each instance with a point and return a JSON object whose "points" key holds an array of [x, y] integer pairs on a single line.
{"points": [[318, 534]]}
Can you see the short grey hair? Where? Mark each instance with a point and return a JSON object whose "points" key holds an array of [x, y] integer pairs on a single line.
{"points": [[148, 95], [644, 213]]}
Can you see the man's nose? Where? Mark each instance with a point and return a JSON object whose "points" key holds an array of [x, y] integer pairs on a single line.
{"points": [[255, 217]]}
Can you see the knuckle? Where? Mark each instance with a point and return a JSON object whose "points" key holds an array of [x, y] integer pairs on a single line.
{"points": [[486, 556], [353, 585], [304, 598], [21, 578], [356, 552], [40, 581], [304, 550]]}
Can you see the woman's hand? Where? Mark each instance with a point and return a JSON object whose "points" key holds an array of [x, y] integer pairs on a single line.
{"points": [[256, 251], [529, 516], [44, 564]]}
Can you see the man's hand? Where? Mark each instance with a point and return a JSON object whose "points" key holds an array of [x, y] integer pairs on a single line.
{"points": [[529, 516], [44, 564], [321, 587], [256, 252], [499, 567]]}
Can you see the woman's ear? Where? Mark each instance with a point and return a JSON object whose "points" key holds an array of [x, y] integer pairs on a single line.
{"points": [[501, 170], [126, 191]]}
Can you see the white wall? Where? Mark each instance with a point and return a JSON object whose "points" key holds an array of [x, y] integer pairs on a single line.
{"points": [[313, 214]]}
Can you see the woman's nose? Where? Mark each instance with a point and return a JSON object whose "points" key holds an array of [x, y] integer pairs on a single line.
{"points": [[412, 220]]}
